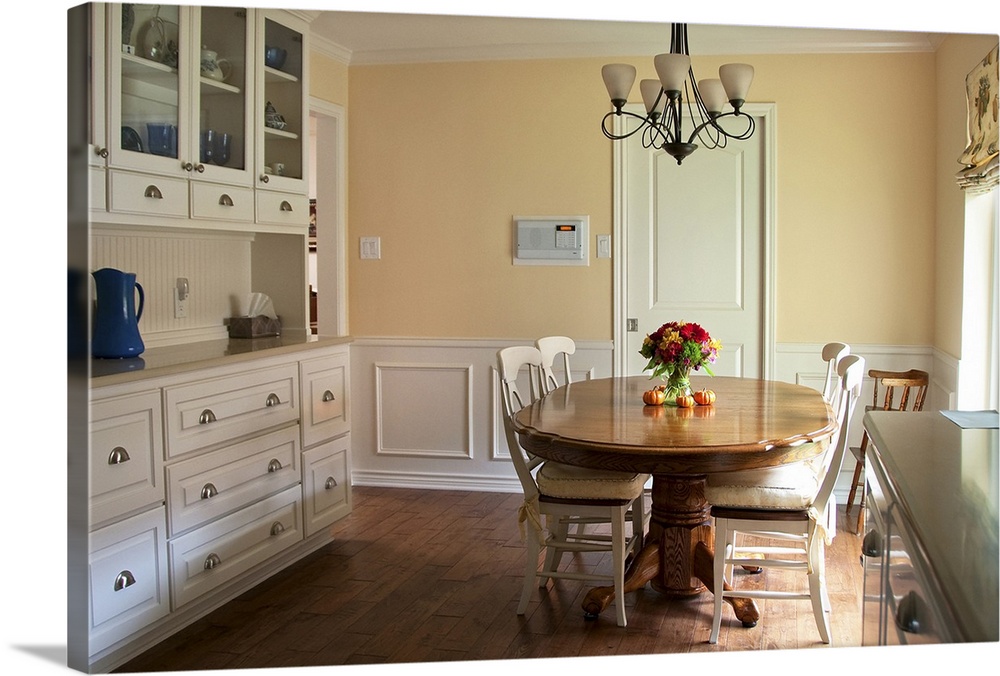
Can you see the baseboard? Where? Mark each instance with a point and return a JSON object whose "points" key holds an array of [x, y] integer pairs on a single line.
{"points": [[438, 482]]}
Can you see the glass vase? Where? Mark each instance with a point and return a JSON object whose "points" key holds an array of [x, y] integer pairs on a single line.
{"points": [[678, 384]]}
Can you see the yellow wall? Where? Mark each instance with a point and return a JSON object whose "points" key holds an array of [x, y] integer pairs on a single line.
{"points": [[327, 79], [955, 58], [441, 156]]}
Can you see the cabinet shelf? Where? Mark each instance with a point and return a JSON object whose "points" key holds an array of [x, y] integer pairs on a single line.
{"points": [[275, 75], [280, 133], [137, 66], [211, 86]]}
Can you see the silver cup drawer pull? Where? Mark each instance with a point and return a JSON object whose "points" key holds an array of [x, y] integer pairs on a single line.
{"points": [[124, 579], [212, 561], [206, 417], [225, 200], [277, 528], [209, 491], [153, 192], [274, 466], [330, 484], [118, 456], [272, 400], [328, 396]]}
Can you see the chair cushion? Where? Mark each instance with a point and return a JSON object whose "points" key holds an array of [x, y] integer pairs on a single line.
{"points": [[568, 481], [791, 486]]}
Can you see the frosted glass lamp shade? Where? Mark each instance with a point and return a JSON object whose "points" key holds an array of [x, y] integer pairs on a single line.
{"points": [[618, 78], [672, 69], [713, 94], [736, 78], [650, 89]]}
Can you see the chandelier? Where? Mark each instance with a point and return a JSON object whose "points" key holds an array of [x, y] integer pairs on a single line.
{"points": [[663, 126]]}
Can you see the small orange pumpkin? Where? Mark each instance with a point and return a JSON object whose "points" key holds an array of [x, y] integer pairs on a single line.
{"points": [[654, 397], [685, 401], [704, 397]]}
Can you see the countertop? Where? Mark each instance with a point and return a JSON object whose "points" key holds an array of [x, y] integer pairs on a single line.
{"points": [[161, 361], [945, 480]]}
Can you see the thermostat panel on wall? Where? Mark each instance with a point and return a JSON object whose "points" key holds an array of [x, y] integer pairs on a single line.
{"points": [[551, 240]]}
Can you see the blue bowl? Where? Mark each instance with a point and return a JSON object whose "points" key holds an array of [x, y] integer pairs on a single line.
{"points": [[274, 57]]}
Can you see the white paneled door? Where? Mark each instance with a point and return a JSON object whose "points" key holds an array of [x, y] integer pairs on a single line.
{"points": [[697, 240]]}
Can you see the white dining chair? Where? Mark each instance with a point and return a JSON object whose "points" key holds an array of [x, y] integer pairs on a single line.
{"points": [[551, 348], [832, 354], [566, 495], [787, 504]]}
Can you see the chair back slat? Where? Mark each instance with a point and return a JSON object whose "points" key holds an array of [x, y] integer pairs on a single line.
{"points": [[551, 347], [510, 362]]}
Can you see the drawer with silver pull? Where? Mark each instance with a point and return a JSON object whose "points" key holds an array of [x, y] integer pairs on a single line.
{"points": [[126, 455], [212, 555], [222, 202], [325, 403], [280, 208], [217, 410], [147, 194], [213, 484], [326, 484], [127, 573]]}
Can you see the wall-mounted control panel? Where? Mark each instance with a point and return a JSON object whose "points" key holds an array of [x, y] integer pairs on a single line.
{"points": [[551, 240]]}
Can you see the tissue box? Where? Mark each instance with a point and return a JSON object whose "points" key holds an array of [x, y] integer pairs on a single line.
{"points": [[254, 327]]}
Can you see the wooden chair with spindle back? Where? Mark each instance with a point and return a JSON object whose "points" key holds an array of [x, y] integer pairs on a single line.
{"points": [[912, 383]]}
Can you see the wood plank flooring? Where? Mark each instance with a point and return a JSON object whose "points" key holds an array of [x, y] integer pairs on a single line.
{"points": [[417, 576]]}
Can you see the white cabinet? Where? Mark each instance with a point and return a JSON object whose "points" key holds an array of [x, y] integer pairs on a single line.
{"points": [[179, 100], [281, 103], [214, 484], [219, 552], [207, 480], [326, 439], [219, 409], [127, 575], [127, 546], [126, 455], [326, 484]]}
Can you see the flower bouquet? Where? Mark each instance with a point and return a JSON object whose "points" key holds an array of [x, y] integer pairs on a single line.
{"points": [[674, 350]]}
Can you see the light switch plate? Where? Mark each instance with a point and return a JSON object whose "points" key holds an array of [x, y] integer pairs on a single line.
{"points": [[604, 246], [371, 248]]}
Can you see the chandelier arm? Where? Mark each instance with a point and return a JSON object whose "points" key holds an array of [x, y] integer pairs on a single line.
{"points": [[723, 135], [612, 114]]}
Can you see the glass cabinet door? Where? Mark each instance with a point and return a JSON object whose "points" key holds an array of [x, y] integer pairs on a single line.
{"points": [[223, 142], [147, 101], [282, 130]]}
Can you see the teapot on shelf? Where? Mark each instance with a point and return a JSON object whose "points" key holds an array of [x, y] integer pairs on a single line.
{"points": [[213, 67]]}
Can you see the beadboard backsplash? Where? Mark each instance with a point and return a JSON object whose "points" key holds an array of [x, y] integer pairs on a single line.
{"points": [[216, 265]]}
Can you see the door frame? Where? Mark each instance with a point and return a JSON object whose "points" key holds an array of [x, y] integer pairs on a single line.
{"points": [[766, 119], [330, 157]]}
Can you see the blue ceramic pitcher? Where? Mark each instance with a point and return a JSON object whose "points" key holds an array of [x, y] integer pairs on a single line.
{"points": [[116, 319]]}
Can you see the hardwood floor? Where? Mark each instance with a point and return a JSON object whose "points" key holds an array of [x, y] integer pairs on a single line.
{"points": [[420, 576]]}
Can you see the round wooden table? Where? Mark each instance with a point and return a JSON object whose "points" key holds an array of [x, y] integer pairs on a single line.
{"points": [[603, 424]]}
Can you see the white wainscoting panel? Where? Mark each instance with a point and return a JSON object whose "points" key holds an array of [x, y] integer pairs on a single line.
{"points": [[424, 410], [427, 412]]}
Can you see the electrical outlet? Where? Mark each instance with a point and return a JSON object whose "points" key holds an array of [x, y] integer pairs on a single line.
{"points": [[371, 248], [181, 294]]}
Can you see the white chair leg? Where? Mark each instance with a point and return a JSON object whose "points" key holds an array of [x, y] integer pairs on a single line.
{"points": [[817, 591], [553, 554], [618, 557], [718, 574], [530, 568]]}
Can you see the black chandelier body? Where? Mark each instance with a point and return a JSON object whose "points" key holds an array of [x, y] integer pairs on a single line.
{"points": [[663, 126]]}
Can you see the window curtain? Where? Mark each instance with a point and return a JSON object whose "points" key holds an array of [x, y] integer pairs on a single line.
{"points": [[981, 171]]}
